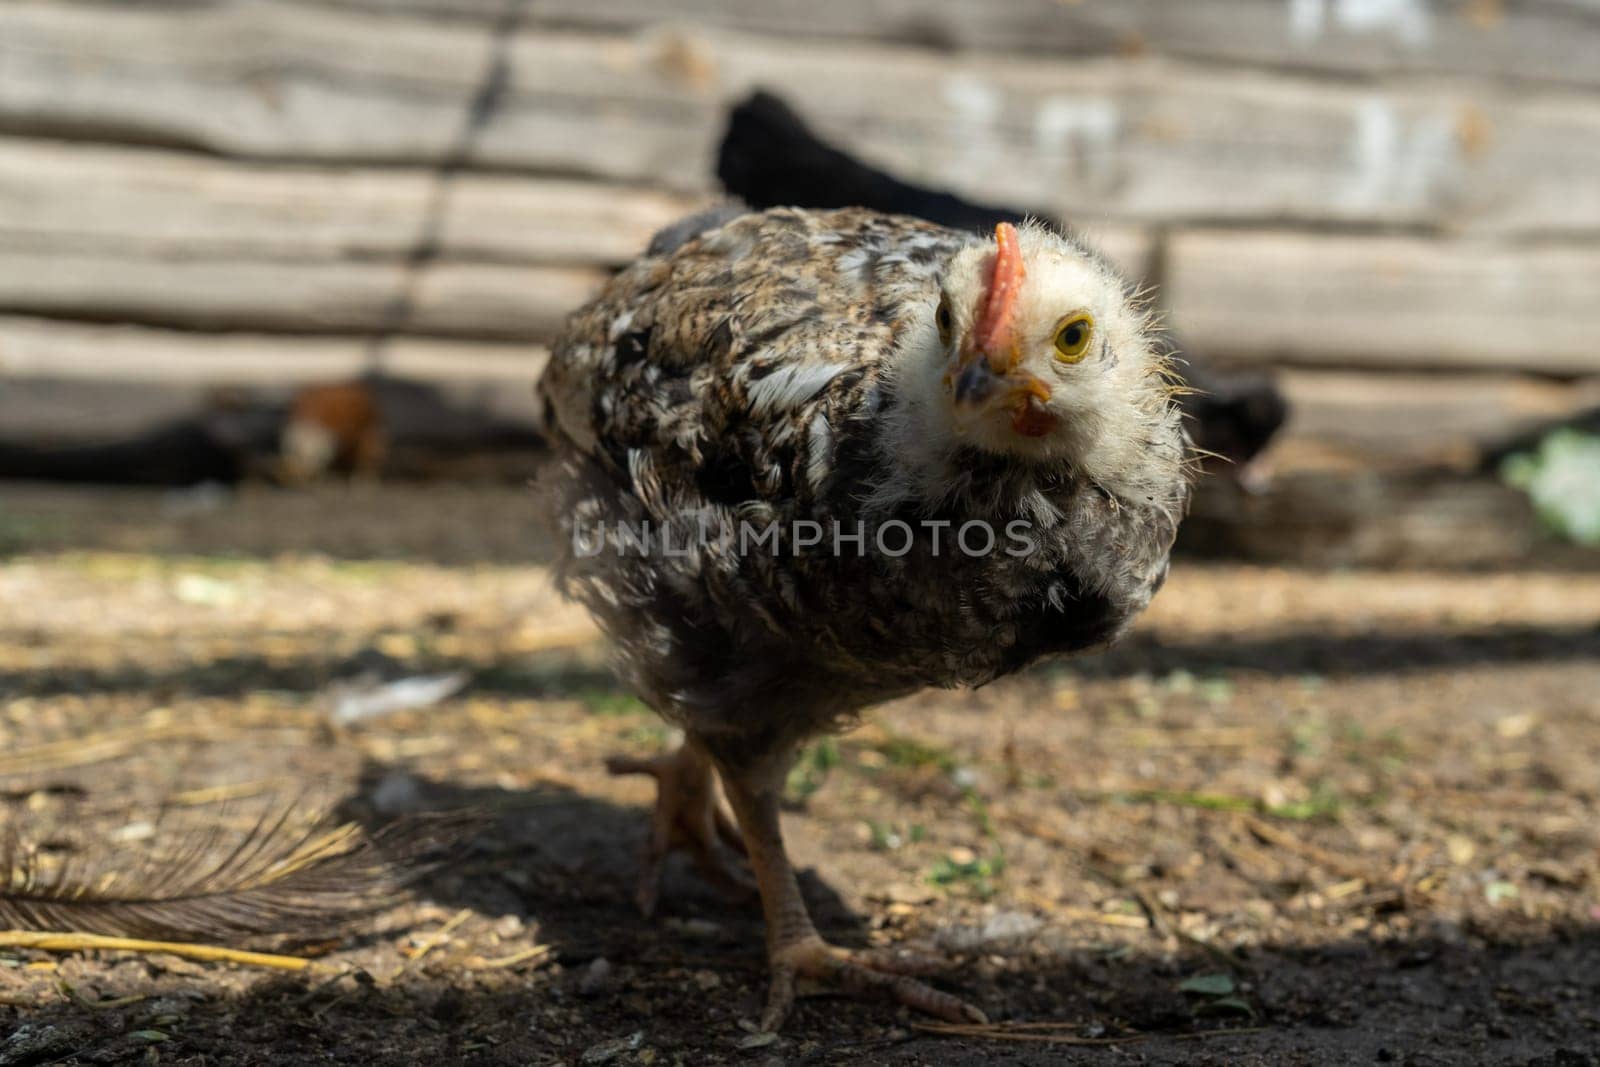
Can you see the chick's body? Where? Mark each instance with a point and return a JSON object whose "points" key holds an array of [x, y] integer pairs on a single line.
{"points": [[758, 394]]}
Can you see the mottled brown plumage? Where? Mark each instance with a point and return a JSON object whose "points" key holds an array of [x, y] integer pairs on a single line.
{"points": [[804, 367]]}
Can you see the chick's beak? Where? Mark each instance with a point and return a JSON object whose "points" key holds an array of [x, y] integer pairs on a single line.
{"points": [[988, 373]]}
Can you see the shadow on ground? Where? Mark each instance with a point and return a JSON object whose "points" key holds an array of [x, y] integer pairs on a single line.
{"points": [[568, 861], [553, 676], [561, 864], [551, 858]]}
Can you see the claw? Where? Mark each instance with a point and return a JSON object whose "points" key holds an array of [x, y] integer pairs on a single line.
{"points": [[861, 972]]}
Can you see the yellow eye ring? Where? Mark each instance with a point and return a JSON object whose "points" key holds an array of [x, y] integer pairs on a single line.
{"points": [[1073, 337]]}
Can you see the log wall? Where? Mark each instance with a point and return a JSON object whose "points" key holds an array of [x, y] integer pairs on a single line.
{"points": [[1384, 194]]}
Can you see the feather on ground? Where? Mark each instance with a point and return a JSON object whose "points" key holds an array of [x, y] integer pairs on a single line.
{"points": [[280, 877]]}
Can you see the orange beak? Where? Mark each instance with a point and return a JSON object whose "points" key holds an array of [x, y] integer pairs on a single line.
{"points": [[991, 354]]}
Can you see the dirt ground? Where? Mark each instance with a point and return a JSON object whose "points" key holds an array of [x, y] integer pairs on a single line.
{"points": [[1299, 817]]}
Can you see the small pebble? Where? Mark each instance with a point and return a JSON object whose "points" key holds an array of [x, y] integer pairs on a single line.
{"points": [[701, 929], [607, 1051], [596, 977], [397, 794]]}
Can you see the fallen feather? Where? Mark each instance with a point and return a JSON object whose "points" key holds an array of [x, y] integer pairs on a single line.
{"points": [[368, 699]]}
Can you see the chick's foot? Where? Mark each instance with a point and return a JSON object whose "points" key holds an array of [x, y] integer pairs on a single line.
{"points": [[875, 971], [686, 816]]}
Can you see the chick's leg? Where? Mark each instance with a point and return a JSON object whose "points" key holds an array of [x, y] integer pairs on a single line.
{"points": [[686, 816], [794, 948]]}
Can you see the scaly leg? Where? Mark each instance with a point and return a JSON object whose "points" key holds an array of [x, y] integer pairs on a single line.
{"points": [[686, 816], [793, 946]]}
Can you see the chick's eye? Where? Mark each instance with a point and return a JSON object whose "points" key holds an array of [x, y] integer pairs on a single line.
{"points": [[1072, 339], [941, 319]]}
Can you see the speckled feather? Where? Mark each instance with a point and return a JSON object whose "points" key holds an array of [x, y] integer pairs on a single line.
{"points": [[743, 370]]}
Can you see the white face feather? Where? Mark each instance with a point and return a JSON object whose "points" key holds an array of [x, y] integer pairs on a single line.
{"points": [[1108, 406]]}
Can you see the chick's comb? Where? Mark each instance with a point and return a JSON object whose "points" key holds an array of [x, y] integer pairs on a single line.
{"points": [[993, 334]]}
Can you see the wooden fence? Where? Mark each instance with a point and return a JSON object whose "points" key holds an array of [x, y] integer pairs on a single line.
{"points": [[1397, 200]]}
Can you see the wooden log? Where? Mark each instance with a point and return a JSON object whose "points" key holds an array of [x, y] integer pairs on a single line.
{"points": [[448, 299], [1386, 301], [32, 349], [140, 201], [1130, 139], [1390, 419], [157, 202], [71, 381], [1552, 41]]}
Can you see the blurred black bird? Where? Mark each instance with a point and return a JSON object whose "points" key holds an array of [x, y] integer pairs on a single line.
{"points": [[769, 157], [214, 446]]}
